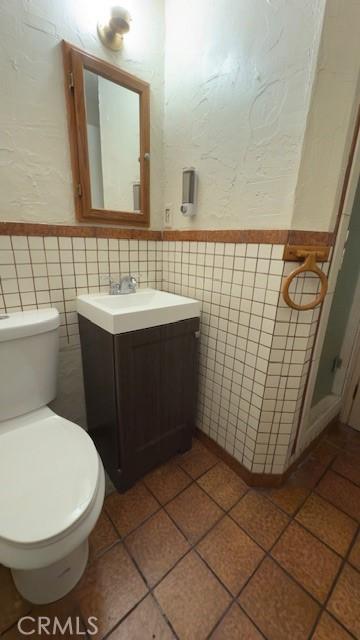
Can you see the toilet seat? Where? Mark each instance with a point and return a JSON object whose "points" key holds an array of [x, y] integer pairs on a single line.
{"points": [[49, 478]]}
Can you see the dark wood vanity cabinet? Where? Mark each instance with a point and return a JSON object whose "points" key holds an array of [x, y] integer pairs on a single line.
{"points": [[140, 390]]}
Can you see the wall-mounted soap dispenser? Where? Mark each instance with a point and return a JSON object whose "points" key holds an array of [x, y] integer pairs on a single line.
{"points": [[189, 192]]}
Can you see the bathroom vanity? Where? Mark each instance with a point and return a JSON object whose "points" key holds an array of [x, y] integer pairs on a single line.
{"points": [[139, 362]]}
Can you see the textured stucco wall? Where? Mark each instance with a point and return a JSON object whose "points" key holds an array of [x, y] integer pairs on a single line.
{"points": [[35, 176], [241, 105], [330, 123], [238, 79]]}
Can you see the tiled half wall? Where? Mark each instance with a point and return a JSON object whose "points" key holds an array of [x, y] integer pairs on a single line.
{"points": [[254, 350]]}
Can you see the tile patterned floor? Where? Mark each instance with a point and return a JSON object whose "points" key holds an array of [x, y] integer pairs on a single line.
{"points": [[192, 553]]}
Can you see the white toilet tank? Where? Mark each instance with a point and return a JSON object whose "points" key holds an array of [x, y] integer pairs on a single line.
{"points": [[29, 345]]}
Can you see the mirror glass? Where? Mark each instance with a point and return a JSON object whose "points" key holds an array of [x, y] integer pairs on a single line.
{"points": [[113, 137]]}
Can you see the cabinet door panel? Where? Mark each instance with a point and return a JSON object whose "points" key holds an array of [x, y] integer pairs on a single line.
{"points": [[178, 384], [137, 358], [156, 372]]}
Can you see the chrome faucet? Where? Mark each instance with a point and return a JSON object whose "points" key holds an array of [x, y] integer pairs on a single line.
{"points": [[127, 284]]}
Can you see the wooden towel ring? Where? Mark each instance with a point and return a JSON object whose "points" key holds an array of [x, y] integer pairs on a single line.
{"points": [[308, 265]]}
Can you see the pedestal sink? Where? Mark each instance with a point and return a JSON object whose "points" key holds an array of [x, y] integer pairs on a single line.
{"points": [[140, 310]]}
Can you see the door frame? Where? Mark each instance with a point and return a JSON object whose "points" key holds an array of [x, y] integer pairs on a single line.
{"points": [[350, 344], [314, 419], [352, 378]]}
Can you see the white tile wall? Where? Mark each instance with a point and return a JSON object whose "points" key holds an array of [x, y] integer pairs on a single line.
{"points": [[38, 272], [254, 350]]}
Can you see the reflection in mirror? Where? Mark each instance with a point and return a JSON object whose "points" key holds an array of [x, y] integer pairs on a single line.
{"points": [[113, 133], [109, 132]]}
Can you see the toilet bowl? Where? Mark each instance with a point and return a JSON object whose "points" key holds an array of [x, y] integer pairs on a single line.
{"points": [[51, 477]]}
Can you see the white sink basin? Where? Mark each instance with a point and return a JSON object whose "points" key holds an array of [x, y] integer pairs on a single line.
{"points": [[140, 310]]}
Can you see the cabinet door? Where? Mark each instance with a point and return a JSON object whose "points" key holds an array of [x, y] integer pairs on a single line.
{"points": [[178, 385], [138, 371], [156, 373]]}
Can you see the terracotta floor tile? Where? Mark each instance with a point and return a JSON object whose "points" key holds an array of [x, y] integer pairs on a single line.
{"points": [[223, 485], [15, 634], [12, 605], [110, 587], [329, 524], [354, 556], [341, 492], [344, 437], [325, 452], [236, 625], [231, 554], [329, 629], [338, 434], [348, 466], [262, 520], [308, 474], [167, 481], [344, 603], [102, 537], [128, 510], [308, 560], [192, 598], [194, 512], [196, 461], [68, 629], [156, 546], [62, 610], [145, 622], [277, 605], [288, 497]]}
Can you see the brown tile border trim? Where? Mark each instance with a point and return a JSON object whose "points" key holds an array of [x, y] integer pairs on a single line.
{"points": [[30, 229], [266, 236], [251, 479], [246, 236], [324, 238], [252, 236], [259, 479]]}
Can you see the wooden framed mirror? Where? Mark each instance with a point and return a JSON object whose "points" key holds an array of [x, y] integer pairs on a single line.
{"points": [[109, 130]]}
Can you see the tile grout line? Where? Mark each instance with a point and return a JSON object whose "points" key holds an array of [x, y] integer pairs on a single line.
{"points": [[192, 546], [122, 540], [227, 513], [267, 553], [343, 558], [344, 561]]}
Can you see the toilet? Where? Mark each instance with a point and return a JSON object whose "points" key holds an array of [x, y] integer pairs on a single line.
{"points": [[51, 477]]}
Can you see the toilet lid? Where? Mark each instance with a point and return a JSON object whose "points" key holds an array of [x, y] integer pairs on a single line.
{"points": [[48, 477]]}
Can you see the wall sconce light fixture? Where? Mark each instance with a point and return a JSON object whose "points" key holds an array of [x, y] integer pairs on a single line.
{"points": [[111, 33]]}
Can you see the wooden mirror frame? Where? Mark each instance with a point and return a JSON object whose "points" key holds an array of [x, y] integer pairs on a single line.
{"points": [[75, 61]]}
